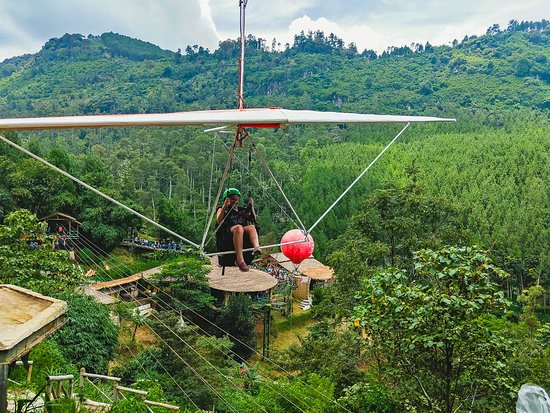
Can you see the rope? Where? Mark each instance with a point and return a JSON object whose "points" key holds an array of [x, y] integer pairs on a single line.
{"points": [[262, 159], [357, 179], [239, 341], [190, 347], [107, 197], [224, 176]]}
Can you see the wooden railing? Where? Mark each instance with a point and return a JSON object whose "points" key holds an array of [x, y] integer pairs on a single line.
{"points": [[118, 391]]}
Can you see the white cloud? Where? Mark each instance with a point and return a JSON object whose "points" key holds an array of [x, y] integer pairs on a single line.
{"points": [[171, 24], [25, 25], [362, 35]]}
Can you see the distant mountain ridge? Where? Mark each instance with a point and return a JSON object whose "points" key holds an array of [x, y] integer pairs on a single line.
{"points": [[113, 73]]}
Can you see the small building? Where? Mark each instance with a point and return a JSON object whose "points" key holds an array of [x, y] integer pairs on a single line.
{"points": [[26, 319], [311, 273], [127, 288], [258, 284], [62, 225]]}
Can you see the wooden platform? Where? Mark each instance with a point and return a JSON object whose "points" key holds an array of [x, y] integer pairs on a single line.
{"points": [[236, 281], [26, 319]]}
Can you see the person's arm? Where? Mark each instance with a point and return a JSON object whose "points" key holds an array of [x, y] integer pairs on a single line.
{"points": [[220, 215]]}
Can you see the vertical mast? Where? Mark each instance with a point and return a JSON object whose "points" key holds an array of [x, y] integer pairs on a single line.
{"points": [[242, 5]]}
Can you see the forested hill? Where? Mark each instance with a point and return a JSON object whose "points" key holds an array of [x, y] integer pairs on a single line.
{"points": [[112, 73], [493, 163]]}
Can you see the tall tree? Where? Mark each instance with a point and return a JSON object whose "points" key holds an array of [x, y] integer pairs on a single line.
{"points": [[237, 319], [425, 330]]}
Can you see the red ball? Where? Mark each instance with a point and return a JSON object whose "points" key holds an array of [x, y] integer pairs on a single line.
{"points": [[299, 251]]}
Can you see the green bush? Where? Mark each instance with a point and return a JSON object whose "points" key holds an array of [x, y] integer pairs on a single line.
{"points": [[89, 338]]}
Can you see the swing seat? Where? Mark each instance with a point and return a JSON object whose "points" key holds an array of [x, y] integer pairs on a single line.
{"points": [[224, 242]]}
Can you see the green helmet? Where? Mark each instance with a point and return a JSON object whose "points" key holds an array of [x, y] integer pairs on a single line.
{"points": [[231, 191]]}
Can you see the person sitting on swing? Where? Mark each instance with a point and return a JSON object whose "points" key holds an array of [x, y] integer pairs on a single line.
{"points": [[238, 221]]}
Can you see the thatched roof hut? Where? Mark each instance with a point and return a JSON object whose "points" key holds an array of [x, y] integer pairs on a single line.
{"points": [[310, 267], [70, 226]]}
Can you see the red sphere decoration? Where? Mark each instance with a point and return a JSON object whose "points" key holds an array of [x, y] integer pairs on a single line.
{"points": [[299, 251]]}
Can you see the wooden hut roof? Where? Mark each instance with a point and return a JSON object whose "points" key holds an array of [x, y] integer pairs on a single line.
{"points": [[237, 281], [60, 215], [126, 280], [321, 273], [309, 267], [114, 283]]}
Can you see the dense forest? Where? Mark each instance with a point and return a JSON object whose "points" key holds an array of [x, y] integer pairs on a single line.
{"points": [[453, 222]]}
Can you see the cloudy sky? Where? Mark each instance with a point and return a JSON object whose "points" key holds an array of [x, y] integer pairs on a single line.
{"points": [[374, 24]]}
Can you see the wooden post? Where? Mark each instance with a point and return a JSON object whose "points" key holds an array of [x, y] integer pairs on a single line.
{"points": [[81, 382], [58, 389], [115, 392], [48, 391], [166, 406], [71, 388], [29, 371], [4, 369]]}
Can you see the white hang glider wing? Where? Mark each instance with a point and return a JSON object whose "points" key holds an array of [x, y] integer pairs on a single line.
{"points": [[252, 118]]}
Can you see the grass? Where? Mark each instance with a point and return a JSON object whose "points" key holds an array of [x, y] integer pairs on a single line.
{"points": [[287, 330]]}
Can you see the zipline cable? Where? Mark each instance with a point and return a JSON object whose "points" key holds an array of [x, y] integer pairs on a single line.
{"points": [[357, 179], [97, 192], [185, 342], [246, 345], [212, 388], [97, 248], [97, 264]]}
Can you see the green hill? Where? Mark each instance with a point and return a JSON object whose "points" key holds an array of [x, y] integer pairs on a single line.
{"points": [[114, 73]]}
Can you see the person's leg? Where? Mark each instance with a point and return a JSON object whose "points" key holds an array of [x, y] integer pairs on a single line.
{"points": [[238, 233], [252, 235]]}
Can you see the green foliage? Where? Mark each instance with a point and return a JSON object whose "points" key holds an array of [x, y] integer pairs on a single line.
{"points": [[187, 355], [48, 359], [133, 49], [313, 395], [483, 180], [531, 338], [368, 395], [237, 318], [89, 338], [133, 370], [329, 351], [189, 288], [425, 330], [129, 311], [393, 223], [63, 405], [130, 404], [27, 257]]}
